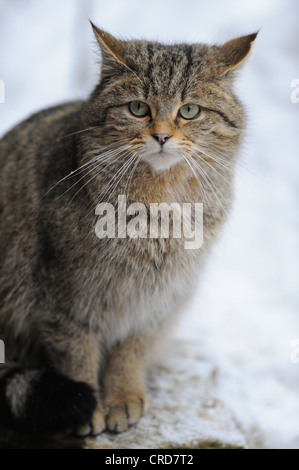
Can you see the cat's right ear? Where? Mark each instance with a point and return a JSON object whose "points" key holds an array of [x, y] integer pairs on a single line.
{"points": [[112, 49]]}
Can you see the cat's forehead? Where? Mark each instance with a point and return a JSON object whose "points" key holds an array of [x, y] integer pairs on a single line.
{"points": [[169, 70], [166, 70]]}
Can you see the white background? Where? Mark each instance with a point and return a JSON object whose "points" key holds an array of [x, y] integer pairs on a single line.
{"points": [[247, 310]]}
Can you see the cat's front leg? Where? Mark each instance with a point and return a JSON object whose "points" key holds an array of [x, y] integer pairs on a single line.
{"points": [[125, 398], [74, 352]]}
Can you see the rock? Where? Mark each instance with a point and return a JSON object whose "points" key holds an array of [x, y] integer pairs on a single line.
{"points": [[186, 412]]}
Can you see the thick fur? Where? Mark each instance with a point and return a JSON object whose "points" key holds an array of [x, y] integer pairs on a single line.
{"points": [[44, 401], [78, 313]]}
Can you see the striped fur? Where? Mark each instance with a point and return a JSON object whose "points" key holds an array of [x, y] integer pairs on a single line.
{"points": [[79, 314]]}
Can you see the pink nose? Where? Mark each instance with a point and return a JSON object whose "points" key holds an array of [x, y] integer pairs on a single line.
{"points": [[161, 137]]}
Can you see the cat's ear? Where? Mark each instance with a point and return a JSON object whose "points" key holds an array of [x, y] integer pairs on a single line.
{"points": [[232, 54], [112, 49]]}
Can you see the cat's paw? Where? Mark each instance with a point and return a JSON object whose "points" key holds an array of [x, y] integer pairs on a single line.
{"points": [[95, 427], [123, 410]]}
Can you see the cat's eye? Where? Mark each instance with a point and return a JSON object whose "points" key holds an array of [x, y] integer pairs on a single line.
{"points": [[139, 108], [189, 111]]}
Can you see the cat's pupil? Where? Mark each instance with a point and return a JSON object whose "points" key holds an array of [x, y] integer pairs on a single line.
{"points": [[189, 111], [139, 108]]}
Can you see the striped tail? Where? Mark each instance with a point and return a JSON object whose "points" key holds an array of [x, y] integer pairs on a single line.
{"points": [[42, 401]]}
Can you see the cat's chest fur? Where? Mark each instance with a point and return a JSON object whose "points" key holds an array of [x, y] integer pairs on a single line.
{"points": [[127, 294]]}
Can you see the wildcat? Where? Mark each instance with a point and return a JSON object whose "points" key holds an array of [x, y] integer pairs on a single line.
{"points": [[78, 314]]}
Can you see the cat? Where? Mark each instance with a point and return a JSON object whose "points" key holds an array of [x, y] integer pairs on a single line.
{"points": [[79, 314]]}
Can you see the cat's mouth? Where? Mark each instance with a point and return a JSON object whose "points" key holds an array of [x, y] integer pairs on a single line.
{"points": [[162, 159]]}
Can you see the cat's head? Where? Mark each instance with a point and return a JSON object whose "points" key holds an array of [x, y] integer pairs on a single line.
{"points": [[169, 102]]}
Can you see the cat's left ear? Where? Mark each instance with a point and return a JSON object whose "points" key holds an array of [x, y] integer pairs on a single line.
{"points": [[232, 54], [112, 49]]}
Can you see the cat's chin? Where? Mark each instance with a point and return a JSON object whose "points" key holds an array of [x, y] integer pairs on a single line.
{"points": [[162, 161]]}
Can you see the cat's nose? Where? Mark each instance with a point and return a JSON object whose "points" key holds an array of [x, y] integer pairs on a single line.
{"points": [[161, 137]]}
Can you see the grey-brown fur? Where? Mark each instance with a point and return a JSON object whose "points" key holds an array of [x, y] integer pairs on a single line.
{"points": [[87, 308]]}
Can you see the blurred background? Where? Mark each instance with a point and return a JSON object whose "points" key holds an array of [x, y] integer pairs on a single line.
{"points": [[246, 313]]}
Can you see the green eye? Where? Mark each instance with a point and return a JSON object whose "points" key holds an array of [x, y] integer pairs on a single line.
{"points": [[189, 111], [139, 108]]}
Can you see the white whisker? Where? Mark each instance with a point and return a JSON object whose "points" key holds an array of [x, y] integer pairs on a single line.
{"points": [[211, 166], [112, 185], [236, 163], [202, 191], [210, 183], [132, 173], [79, 132], [96, 175], [94, 160], [121, 174]]}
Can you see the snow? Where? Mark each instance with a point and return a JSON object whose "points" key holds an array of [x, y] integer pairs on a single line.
{"points": [[186, 409], [245, 315]]}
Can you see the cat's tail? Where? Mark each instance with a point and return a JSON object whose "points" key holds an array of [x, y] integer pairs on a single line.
{"points": [[43, 401]]}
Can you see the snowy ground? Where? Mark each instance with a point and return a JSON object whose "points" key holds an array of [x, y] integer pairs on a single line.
{"points": [[246, 314]]}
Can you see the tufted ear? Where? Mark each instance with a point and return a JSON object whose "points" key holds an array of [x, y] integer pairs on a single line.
{"points": [[232, 54], [113, 50]]}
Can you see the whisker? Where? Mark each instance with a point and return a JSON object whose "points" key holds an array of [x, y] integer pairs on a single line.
{"points": [[95, 176], [236, 163], [119, 174], [215, 158], [210, 183], [202, 191], [97, 163], [90, 162], [79, 132], [132, 172], [211, 166], [122, 173], [101, 149]]}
